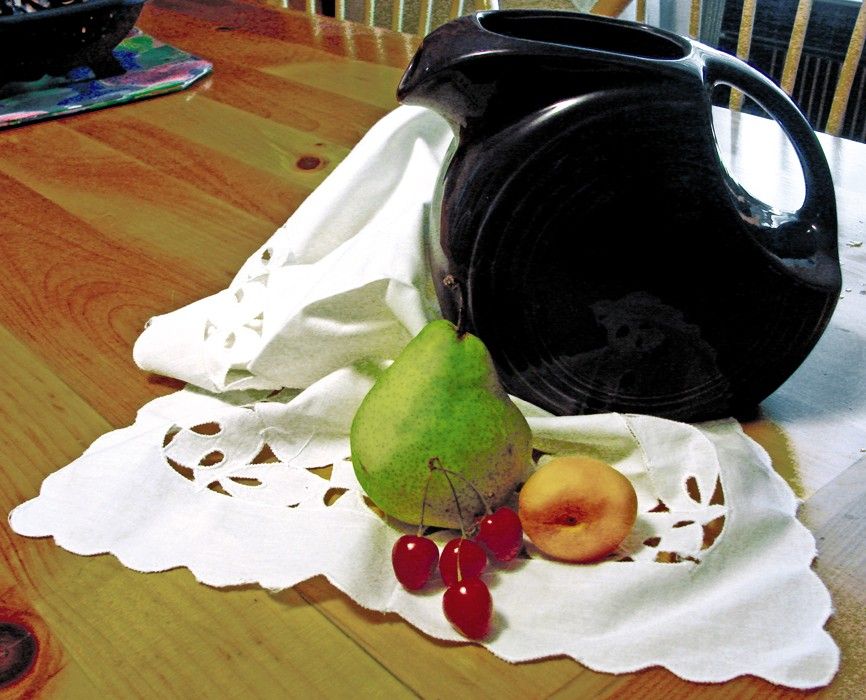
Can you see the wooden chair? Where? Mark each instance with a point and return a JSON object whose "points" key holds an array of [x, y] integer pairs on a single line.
{"points": [[431, 13], [698, 12], [847, 71], [427, 12]]}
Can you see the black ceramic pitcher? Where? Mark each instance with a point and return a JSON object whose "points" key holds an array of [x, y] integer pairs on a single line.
{"points": [[607, 258]]}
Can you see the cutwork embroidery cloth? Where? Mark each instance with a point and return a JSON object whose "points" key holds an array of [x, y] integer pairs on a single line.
{"points": [[243, 477]]}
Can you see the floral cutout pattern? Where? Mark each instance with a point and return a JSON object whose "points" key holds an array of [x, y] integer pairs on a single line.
{"points": [[251, 453]]}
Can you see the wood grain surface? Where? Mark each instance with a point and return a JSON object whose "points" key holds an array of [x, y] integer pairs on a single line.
{"points": [[114, 216]]}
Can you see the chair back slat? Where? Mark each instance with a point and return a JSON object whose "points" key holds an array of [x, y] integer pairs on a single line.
{"points": [[370, 12], [744, 45], [398, 11], [695, 19], [846, 74], [795, 46], [425, 17]]}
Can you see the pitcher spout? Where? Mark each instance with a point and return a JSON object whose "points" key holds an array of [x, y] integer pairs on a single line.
{"points": [[450, 74]]}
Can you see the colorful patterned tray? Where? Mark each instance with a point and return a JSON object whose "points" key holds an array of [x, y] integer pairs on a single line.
{"points": [[150, 68]]}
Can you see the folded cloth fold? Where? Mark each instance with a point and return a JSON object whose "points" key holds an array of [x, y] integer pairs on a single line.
{"points": [[348, 266]]}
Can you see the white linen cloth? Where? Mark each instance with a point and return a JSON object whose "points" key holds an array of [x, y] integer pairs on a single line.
{"points": [[224, 477]]}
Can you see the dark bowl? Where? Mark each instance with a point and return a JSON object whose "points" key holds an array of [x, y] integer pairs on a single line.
{"points": [[54, 41]]}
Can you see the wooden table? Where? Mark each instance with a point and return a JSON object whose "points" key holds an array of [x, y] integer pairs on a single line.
{"points": [[112, 217]]}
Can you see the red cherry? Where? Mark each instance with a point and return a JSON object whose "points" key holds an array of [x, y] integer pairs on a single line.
{"points": [[414, 559], [469, 607], [471, 557], [501, 533]]}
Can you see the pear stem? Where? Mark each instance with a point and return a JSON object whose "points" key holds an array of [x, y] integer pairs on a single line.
{"points": [[457, 292]]}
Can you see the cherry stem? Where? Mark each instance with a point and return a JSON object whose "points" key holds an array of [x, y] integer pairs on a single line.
{"points": [[462, 531], [457, 292], [424, 503], [435, 465], [438, 465]]}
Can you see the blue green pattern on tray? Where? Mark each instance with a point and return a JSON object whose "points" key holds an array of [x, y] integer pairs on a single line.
{"points": [[150, 68]]}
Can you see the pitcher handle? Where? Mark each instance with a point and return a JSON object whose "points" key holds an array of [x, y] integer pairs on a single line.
{"points": [[816, 218]]}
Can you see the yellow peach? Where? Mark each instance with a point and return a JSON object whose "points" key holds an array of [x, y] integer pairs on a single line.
{"points": [[577, 509]]}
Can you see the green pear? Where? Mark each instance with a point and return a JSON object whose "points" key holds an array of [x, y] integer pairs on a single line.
{"points": [[440, 400]]}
